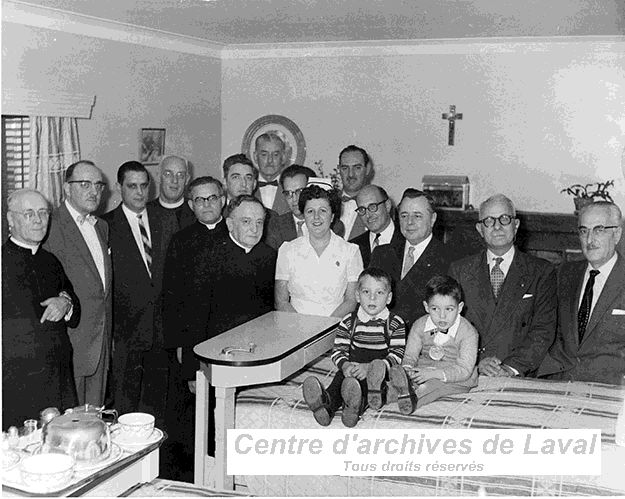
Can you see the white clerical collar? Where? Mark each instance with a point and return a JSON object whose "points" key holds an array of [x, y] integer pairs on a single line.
{"points": [[363, 316], [130, 214], [452, 331], [605, 269], [247, 250], [211, 226], [171, 206], [32, 247]]}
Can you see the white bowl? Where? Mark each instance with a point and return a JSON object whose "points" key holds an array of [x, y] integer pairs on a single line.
{"points": [[136, 426], [47, 471]]}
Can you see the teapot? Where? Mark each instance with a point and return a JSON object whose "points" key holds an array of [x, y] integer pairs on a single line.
{"points": [[100, 412], [80, 434]]}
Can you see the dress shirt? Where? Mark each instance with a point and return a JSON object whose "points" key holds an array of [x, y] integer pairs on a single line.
{"points": [[504, 265], [267, 193], [600, 280], [211, 226], [131, 216], [418, 249], [442, 338], [363, 316], [32, 247], [171, 206], [385, 236], [304, 226], [247, 250], [92, 241], [348, 215]]}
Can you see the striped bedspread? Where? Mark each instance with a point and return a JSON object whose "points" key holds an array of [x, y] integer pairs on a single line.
{"points": [[494, 403]]}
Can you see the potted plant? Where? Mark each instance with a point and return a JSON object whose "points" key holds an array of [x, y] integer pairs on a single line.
{"points": [[587, 194]]}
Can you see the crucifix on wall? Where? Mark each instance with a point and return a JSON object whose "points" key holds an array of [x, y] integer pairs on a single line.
{"points": [[452, 116]]}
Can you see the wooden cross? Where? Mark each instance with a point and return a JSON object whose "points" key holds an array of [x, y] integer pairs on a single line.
{"points": [[452, 116]]}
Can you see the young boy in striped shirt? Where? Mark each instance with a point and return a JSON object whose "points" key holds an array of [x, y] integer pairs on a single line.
{"points": [[368, 343]]}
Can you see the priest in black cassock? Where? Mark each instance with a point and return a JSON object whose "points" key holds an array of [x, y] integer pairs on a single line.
{"points": [[38, 303]]}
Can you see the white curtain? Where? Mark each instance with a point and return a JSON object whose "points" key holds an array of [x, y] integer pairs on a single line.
{"points": [[53, 147]]}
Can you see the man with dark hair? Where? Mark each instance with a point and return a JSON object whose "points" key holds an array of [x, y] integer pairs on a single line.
{"points": [[590, 342], [374, 208], [135, 237], [415, 258], [288, 226], [356, 171], [240, 176], [80, 241], [270, 157], [510, 296]]}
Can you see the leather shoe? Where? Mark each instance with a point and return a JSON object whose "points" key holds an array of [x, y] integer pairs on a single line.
{"points": [[406, 399], [376, 383], [318, 400], [352, 401]]}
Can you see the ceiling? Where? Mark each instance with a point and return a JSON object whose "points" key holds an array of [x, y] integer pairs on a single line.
{"points": [[288, 21]]}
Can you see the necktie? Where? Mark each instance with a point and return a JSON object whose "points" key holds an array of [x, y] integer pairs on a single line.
{"points": [[90, 219], [584, 309], [408, 262], [497, 277], [147, 247], [376, 242], [299, 228], [262, 183]]}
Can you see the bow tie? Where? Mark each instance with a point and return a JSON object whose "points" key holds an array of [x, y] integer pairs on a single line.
{"points": [[90, 219], [345, 198], [434, 331], [262, 183]]}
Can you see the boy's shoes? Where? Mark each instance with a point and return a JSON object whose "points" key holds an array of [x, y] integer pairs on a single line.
{"points": [[406, 400], [376, 383], [318, 400], [352, 401]]}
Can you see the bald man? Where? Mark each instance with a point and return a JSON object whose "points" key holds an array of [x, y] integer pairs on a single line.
{"points": [[38, 303]]}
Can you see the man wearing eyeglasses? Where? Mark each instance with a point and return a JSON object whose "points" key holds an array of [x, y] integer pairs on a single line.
{"points": [[509, 296], [270, 156], [356, 170], [590, 343], [38, 303], [374, 208], [79, 239]]}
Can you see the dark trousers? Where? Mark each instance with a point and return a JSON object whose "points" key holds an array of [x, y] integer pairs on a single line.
{"points": [[359, 355], [127, 379]]}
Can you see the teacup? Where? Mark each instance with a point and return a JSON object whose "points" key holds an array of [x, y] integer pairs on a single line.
{"points": [[136, 426]]}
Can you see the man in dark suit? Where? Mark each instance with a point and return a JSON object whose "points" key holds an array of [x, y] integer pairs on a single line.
{"points": [[80, 241], [374, 208], [509, 296], [590, 342], [415, 258], [270, 157], [135, 237], [356, 170]]}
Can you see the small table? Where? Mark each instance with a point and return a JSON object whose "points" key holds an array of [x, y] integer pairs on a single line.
{"points": [[263, 350]]}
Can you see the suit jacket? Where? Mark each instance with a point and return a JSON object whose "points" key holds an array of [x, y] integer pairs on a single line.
{"points": [[365, 246], [280, 206], [601, 354], [136, 315], [94, 330], [281, 228], [409, 292], [520, 326], [187, 249]]}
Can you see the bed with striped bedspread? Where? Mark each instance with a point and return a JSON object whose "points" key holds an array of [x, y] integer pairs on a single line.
{"points": [[494, 403]]}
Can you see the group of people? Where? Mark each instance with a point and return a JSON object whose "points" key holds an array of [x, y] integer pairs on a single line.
{"points": [[87, 299]]}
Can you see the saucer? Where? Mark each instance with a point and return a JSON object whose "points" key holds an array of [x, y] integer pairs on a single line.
{"points": [[116, 453], [130, 445], [10, 460]]}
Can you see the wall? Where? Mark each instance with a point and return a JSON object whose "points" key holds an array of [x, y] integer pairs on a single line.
{"points": [[538, 116], [135, 87]]}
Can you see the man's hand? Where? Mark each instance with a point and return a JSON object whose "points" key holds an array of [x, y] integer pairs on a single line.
{"points": [[179, 355], [191, 386], [57, 307], [491, 366]]}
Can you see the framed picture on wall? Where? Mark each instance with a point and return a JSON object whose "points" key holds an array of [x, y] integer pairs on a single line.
{"points": [[151, 145], [284, 128]]}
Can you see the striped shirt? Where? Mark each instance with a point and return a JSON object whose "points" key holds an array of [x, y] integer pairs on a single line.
{"points": [[385, 332]]}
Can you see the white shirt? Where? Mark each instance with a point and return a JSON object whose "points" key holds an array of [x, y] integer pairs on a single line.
{"points": [[171, 206], [600, 280], [385, 236], [442, 338], [348, 215], [504, 265], [267, 193], [418, 249], [363, 316], [304, 226], [92, 241], [317, 284], [131, 216]]}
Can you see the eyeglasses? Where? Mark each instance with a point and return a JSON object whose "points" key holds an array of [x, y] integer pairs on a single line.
{"points": [[502, 219], [179, 175], [290, 194], [210, 199], [29, 215], [373, 207], [597, 230], [85, 185]]}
